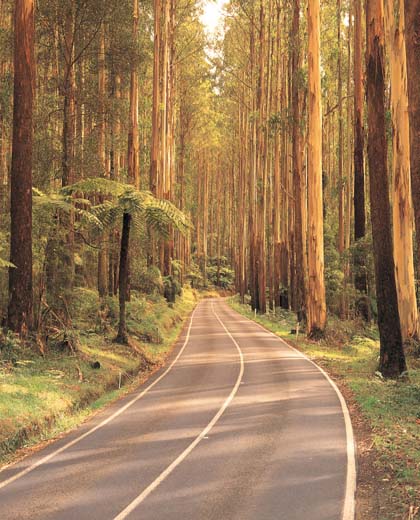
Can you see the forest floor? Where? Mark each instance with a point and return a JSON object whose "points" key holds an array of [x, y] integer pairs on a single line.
{"points": [[44, 395], [385, 414]]}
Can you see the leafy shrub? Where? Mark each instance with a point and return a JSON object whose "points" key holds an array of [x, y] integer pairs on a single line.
{"points": [[149, 281], [194, 276], [223, 277], [84, 304], [171, 289], [9, 344]]}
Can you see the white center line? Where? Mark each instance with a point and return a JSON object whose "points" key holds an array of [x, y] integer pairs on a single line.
{"points": [[144, 494]]}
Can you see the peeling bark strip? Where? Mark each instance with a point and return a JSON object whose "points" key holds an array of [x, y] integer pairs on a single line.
{"points": [[20, 279], [402, 205], [317, 312], [412, 38], [392, 360]]}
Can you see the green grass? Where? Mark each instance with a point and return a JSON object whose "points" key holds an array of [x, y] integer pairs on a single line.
{"points": [[392, 408], [43, 396]]}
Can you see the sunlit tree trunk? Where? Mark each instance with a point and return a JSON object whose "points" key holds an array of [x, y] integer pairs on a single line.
{"points": [[133, 132], [154, 160], [317, 313], [392, 360], [277, 195], [402, 203], [20, 277]]}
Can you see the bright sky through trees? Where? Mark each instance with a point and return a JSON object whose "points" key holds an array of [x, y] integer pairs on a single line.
{"points": [[212, 14]]}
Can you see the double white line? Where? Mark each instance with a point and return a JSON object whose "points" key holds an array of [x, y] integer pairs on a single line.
{"points": [[144, 494]]}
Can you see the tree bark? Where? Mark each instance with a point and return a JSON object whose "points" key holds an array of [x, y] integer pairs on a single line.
{"points": [[154, 159], [392, 360], [20, 277], [133, 132], [401, 190], [412, 38], [298, 180], [103, 252], [317, 312], [359, 174], [122, 336]]}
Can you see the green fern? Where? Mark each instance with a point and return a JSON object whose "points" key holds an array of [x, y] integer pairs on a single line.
{"points": [[4, 264], [67, 204], [146, 210]]}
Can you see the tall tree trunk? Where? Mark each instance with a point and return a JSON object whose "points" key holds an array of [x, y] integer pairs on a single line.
{"points": [[298, 180], [20, 277], [317, 311], [133, 132], [154, 159], [359, 174], [402, 202], [262, 169], [412, 33], [122, 336], [103, 252], [67, 272], [341, 228], [392, 360]]}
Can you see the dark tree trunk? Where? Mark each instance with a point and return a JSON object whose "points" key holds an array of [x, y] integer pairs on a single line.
{"points": [[66, 270], [392, 359], [298, 182], [359, 175], [412, 35], [20, 278], [360, 281], [122, 336]]}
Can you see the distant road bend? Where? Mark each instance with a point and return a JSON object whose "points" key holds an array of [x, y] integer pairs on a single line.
{"points": [[238, 426]]}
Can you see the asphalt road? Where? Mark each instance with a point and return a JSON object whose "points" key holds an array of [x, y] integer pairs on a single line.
{"points": [[238, 426]]}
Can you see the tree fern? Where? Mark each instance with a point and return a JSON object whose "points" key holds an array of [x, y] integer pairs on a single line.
{"points": [[4, 264], [146, 210], [67, 204]]}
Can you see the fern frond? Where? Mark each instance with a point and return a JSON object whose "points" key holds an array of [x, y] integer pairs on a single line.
{"points": [[4, 264], [97, 186], [65, 204]]}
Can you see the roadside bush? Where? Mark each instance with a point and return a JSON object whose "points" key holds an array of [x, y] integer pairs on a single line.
{"points": [[84, 304], [172, 289], [149, 281]]}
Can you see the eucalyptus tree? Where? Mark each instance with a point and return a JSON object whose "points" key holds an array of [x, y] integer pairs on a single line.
{"points": [[317, 312], [401, 187], [20, 276], [392, 360], [412, 40]]}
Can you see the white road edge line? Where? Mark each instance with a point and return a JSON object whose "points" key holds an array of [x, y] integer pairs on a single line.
{"points": [[144, 494], [349, 508], [70, 444]]}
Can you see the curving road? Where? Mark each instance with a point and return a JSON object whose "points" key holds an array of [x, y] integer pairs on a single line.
{"points": [[239, 426]]}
